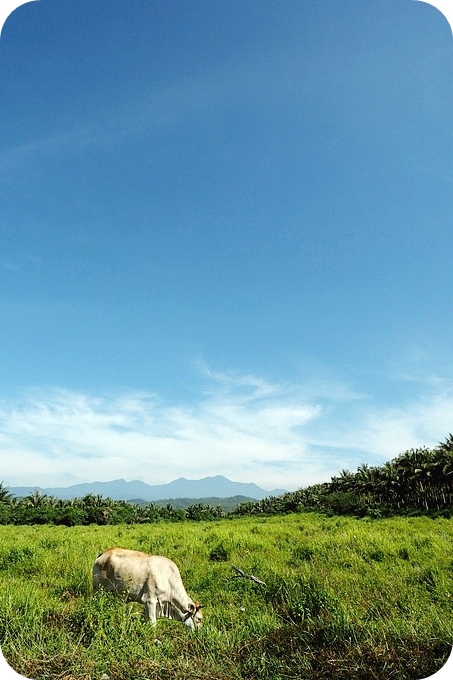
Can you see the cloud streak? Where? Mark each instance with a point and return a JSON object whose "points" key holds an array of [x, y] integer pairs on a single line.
{"points": [[62, 435], [154, 110], [242, 427], [275, 83]]}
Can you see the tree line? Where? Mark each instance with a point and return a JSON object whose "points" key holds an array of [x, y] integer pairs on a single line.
{"points": [[418, 480], [39, 508]]}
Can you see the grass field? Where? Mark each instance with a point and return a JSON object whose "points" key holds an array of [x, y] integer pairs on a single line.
{"points": [[344, 598]]}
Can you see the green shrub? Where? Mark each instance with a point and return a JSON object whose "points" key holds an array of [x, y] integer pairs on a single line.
{"points": [[376, 555], [298, 598], [303, 553], [15, 556], [219, 554], [346, 503], [403, 553]]}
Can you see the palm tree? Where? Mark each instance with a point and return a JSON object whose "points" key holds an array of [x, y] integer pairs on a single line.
{"points": [[390, 486], [95, 500], [344, 482], [442, 472], [36, 499], [365, 481], [5, 496]]}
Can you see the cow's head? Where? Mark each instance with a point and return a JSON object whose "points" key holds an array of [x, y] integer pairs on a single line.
{"points": [[193, 617]]}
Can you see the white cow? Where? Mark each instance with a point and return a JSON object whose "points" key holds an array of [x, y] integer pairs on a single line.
{"points": [[152, 580]]}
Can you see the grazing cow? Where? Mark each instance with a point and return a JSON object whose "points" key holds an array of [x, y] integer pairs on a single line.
{"points": [[152, 580]]}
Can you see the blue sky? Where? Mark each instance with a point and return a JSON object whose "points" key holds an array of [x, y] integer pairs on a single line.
{"points": [[226, 238]]}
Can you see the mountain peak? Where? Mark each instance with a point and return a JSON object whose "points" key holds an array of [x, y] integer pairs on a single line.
{"points": [[118, 489]]}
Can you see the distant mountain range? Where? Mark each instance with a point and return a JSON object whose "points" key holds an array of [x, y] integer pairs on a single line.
{"points": [[119, 489]]}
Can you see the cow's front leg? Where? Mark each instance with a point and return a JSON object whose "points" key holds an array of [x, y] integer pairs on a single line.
{"points": [[150, 611]]}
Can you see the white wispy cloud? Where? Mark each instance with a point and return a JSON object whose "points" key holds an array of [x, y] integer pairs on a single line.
{"points": [[271, 434], [60, 435]]}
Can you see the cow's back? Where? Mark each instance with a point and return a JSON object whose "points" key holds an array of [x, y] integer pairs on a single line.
{"points": [[138, 573]]}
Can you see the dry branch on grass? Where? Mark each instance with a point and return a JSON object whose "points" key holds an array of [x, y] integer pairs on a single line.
{"points": [[242, 574]]}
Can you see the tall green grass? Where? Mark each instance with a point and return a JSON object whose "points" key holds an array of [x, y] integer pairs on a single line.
{"points": [[344, 598]]}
